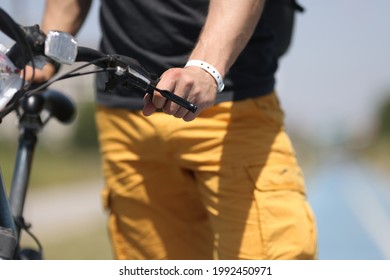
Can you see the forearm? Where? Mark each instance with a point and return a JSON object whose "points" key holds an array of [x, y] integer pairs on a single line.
{"points": [[65, 15], [227, 30]]}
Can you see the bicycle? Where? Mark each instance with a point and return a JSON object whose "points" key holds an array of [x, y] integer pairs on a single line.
{"points": [[33, 47]]}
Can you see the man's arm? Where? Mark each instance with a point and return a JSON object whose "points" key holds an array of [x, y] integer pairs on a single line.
{"points": [[227, 30], [62, 15], [65, 15]]}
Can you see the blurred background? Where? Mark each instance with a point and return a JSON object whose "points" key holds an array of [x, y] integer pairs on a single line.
{"points": [[334, 86]]}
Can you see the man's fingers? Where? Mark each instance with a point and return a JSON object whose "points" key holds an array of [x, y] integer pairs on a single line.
{"points": [[149, 107], [158, 100], [180, 113], [39, 75]]}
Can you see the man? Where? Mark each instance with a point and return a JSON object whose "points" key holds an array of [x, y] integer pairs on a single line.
{"points": [[222, 182]]}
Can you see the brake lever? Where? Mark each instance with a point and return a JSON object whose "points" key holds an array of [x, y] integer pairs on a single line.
{"points": [[130, 69]]}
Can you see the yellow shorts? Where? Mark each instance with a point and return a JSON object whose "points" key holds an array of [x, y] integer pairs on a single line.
{"points": [[224, 186]]}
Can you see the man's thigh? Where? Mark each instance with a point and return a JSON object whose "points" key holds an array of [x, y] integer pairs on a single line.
{"points": [[155, 209]]}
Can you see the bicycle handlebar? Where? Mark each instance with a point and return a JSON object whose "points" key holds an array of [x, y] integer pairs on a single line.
{"points": [[29, 43]]}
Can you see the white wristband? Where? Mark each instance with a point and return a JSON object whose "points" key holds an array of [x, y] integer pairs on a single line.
{"points": [[209, 69]]}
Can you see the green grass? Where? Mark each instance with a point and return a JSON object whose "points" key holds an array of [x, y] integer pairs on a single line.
{"points": [[54, 167]]}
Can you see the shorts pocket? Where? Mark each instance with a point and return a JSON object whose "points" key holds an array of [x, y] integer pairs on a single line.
{"points": [[286, 222], [280, 176], [287, 225]]}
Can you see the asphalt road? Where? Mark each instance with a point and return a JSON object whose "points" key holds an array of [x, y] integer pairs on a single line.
{"points": [[63, 209]]}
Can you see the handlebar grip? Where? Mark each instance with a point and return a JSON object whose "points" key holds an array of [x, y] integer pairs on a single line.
{"points": [[85, 54], [171, 96], [60, 106], [178, 100], [10, 28]]}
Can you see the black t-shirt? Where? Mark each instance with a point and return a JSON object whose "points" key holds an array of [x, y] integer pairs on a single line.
{"points": [[160, 34]]}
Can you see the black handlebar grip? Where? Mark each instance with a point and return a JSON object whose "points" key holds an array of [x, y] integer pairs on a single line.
{"points": [[171, 96], [178, 100], [60, 106]]}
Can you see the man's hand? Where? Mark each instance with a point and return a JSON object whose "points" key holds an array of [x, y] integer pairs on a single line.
{"points": [[40, 75], [191, 83]]}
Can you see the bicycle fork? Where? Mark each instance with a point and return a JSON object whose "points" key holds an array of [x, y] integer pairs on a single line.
{"points": [[11, 218], [30, 124], [8, 241]]}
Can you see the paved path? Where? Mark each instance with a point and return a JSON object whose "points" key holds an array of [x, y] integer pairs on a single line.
{"points": [[351, 203], [61, 209]]}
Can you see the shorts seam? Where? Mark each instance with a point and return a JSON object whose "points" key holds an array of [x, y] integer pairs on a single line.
{"points": [[264, 243]]}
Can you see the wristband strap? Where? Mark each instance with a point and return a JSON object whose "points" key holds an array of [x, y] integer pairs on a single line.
{"points": [[209, 69]]}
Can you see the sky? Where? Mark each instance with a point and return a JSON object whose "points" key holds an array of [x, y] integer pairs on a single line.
{"points": [[338, 70], [335, 75]]}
